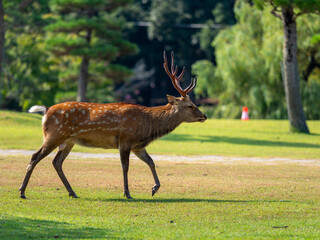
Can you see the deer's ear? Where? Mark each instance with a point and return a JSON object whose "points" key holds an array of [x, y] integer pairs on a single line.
{"points": [[172, 100]]}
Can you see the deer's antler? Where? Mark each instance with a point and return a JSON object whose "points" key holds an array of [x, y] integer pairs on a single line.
{"points": [[176, 79]]}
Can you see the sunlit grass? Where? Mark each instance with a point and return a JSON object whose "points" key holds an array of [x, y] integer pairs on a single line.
{"points": [[195, 201], [259, 138]]}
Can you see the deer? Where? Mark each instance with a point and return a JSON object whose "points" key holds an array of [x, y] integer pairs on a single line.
{"points": [[124, 126]]}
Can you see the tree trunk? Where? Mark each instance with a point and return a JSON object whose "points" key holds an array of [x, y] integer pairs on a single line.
{"points": [[290, 72], [83, 76], [83, 80], [2, 33]]}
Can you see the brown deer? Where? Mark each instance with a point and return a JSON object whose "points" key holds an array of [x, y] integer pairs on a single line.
{"points": [[124, 126]]}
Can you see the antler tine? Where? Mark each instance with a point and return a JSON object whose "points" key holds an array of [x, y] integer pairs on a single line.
{"points": [[172, 75], [176, 79], [192, 85], [172, 64], [181, 74]]}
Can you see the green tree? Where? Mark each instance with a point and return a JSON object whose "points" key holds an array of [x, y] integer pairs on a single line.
{"points": [[28, 75], [2, 34], [248, 70], [288, 11], [90, 31]]}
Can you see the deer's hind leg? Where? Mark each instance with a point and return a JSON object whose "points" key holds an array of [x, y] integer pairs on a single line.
{"points": [[46, 148], [64, 150]]}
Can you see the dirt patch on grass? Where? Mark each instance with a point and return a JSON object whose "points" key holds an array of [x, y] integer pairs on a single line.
{"points": [[174, 158], [206, 179]]}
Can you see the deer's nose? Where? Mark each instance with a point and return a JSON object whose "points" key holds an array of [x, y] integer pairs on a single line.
{"points": [[203, 118]]}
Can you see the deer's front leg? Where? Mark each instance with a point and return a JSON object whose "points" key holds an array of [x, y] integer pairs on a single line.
{"points": [[124, 156], [144, 156]]}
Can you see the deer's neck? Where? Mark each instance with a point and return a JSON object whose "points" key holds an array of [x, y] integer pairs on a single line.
{"points": [[163, 120]]}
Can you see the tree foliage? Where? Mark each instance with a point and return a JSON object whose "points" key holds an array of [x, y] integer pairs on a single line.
{"points": [[249, 60], [90, 31], [287, 12], [170, 30], [28, 75]]}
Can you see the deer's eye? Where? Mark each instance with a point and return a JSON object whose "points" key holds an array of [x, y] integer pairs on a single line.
{"points": [[190, 106]]}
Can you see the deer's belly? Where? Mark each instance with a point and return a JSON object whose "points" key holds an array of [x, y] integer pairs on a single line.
{"points": [[99, 141]]}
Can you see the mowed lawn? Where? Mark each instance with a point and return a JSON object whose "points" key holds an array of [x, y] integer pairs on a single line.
{"points": [[197, 200], [257, 138]]}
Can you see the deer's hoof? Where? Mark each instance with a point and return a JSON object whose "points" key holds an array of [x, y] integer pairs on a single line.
{"points": [[155, 189], [73, 195], [128, 196], [23, 196]]}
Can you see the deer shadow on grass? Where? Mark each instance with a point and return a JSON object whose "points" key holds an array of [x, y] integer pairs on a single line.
{"points": [[238, 140], [181, 200], [26, 228]]}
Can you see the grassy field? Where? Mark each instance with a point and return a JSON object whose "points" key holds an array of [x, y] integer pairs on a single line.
{"points": [[196, 201], [258, 138]]}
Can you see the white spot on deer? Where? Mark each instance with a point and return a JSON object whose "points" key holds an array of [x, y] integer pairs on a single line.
{"points": [[57, 121], [83, 112], [89, 108], [80, 109], [94, 111], [67, 115]]}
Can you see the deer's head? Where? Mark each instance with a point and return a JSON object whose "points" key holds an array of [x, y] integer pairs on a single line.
{"points": [[186, 108]]}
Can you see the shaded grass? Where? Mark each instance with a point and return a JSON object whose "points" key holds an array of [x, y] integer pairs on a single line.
{"points": [[195, 201], [259, 138], [26, 228]]}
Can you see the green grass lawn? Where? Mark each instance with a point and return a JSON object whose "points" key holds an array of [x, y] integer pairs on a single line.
{"points": [[258, 138], [196, 201]]}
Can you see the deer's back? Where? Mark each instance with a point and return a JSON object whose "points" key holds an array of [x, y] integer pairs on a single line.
{"points": [[96, 125]]}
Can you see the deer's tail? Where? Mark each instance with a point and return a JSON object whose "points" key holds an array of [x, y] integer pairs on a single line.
{"points": [[38, 109]]}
